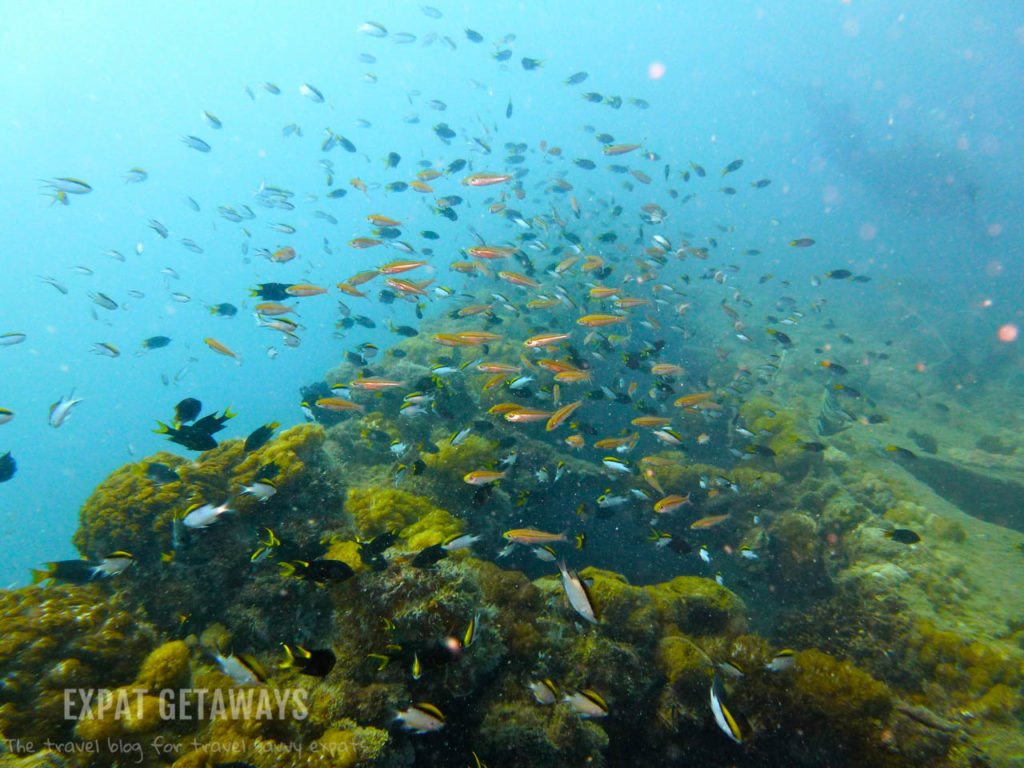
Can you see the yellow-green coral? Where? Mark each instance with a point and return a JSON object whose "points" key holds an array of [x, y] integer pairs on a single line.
{"points": [[130, 512], [453, 462], [419, 523], [57, 638], [697, 606], [290, 451], [166, 667], [347, 744]]}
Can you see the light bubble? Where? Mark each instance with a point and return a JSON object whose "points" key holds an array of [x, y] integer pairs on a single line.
{"points": [[1008, 332], [868, 231], [656, 70]]}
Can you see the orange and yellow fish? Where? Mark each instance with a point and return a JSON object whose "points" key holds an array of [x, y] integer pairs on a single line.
{"points": [[304, 289], [486, 179], [598, 321], [483, 477], [545, 340], [670, 503], [563, 413], [337, 404], [216, 346], [375, 384], [620, 149], [708, 522], [397, 267], [531, 536]]}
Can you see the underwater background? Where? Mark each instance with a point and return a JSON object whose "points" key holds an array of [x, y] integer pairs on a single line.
{"points": [[808, 214]]}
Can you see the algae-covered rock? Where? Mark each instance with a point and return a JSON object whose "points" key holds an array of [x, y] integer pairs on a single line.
{"points": [[684, 664], [347, 744], [165, 667], [377, 510], [128, 511], [57, 638], [697, 606]]}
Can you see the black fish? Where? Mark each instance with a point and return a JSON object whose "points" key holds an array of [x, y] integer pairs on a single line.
{"points": [[904, 536], [212, 423], [160, 473], [155, 342], [334, 194], [429, 234], [372, 552], [456, 165], [364, 321], [903, 453], [576, 79], [73, 571], [813, 447], [680, 546], [839, 274], [320, 571], [531, 64], [397, 186], [379, 544], [392, 160], [503, 55], [735, 165], [405, 330], [587, 165], [508, 109], [760, 183], [614, 102], [8, 466], [260, 436], [315, 662], [593, 97], [444, 132], [187, 410], [699, 170], [427, 557], [473, 36], [188, 436], [224, 310], [272, 291]]}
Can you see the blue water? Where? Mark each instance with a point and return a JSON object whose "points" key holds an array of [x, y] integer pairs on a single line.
{"points": [[92, 90]]}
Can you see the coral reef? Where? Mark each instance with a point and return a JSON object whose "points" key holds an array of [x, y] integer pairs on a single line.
{"points": [[893, 662]]}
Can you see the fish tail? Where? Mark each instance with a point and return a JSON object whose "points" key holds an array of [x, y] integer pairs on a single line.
{"points": [[39, 575]]}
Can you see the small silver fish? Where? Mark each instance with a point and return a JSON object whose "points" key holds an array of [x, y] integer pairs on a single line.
{"points": [[60, 410], [577, 593]]}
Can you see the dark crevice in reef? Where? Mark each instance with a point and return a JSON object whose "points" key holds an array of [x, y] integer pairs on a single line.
{"points": [[993, 499]]}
